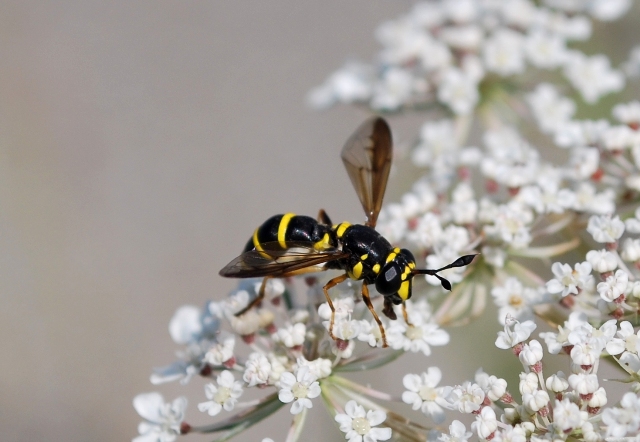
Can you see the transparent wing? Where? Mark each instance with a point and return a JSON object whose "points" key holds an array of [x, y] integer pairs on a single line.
{"points": [[272, 260], [367, 157]]}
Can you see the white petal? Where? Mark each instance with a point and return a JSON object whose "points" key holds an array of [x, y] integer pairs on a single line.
{"points": [[148, 405], [376, 417], [285, 396]]}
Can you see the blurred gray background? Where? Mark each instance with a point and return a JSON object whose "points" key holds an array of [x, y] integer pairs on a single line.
{"points": [[140, 145]]}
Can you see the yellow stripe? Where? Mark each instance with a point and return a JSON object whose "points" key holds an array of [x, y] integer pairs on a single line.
{"points": [[364, 257], [341, 228], [404, 290], [257, 245], [282, 229], [391, 256], [376, 268], [356, 271]]}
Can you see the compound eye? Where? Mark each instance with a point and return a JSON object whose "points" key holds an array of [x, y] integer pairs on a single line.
{"points": [[389, 280], [408, 255]]}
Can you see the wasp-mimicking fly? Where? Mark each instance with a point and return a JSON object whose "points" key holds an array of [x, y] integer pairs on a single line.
{"points": [[288, 245]]}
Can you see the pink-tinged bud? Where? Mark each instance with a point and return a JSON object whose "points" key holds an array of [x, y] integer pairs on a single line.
{"points": [[593, 410], [297, 348], [513, 191], [544, 411], [342, 344], [568, 302], [249, 339], [518, 348], [271, 328], [205, 371], [619, 300], [611, 246], [276, 301], [311, 280], [586, 367], [634, 125], [464, 173], [605, 275], [185, 428], [230, 363], [567, 349], [491, 436], [507, 398], [559, 396], [597, 175], [537, 367], [491, 186], [486, 401], [618, 313], [586, 397], [412, 223]]}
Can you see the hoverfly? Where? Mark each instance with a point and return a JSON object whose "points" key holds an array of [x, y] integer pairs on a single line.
{"points": [[287, 244]]}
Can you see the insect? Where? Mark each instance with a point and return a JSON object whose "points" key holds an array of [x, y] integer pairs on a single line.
{"points": [[287, 244]]}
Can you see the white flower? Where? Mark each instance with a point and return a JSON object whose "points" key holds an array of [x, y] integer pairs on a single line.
{"points": [[436, 138], [549, 107], [486, 423], [457, 433], [605, 228], [162, 420], [291, 335], [566, 415], [627, 113], [568, 281], [493, 386], [592, 76], [299, 389], [423, 394], [225, 395], [631, 250], [623, 420], [458, 91], [626, 339], [360, 426], [222, 351], [528, 383], [503, 52], [319, 367], [583, 383], [602, 260], [531, 353], [257, 369], [185, 325], [466, 398], [352, 83], [393, 90], [535, 401], [557, 382], [614, 286], [514, 333], [544, 50], [417, 337], [514, 300]]}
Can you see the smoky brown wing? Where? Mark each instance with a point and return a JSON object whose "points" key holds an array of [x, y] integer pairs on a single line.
{"points": [[367, 157], [274, 261]]}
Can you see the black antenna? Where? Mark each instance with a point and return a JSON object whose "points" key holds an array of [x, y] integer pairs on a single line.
{"points": [[460, 262]]}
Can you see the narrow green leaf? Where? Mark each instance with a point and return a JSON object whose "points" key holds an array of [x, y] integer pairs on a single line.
{"points": [[369, 361]]}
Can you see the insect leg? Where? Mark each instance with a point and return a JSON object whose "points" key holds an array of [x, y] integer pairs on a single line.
{"points": [[258, 299], [332, 283], [367, 300], [404, 313], [323, 218]]}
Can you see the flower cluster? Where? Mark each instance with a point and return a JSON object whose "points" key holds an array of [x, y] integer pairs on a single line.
{"points": [[511, 168], [554, 407]]}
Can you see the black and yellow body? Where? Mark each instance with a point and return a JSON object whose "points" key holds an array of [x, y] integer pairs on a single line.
{"points": [[290, 228], [287, 244]]}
